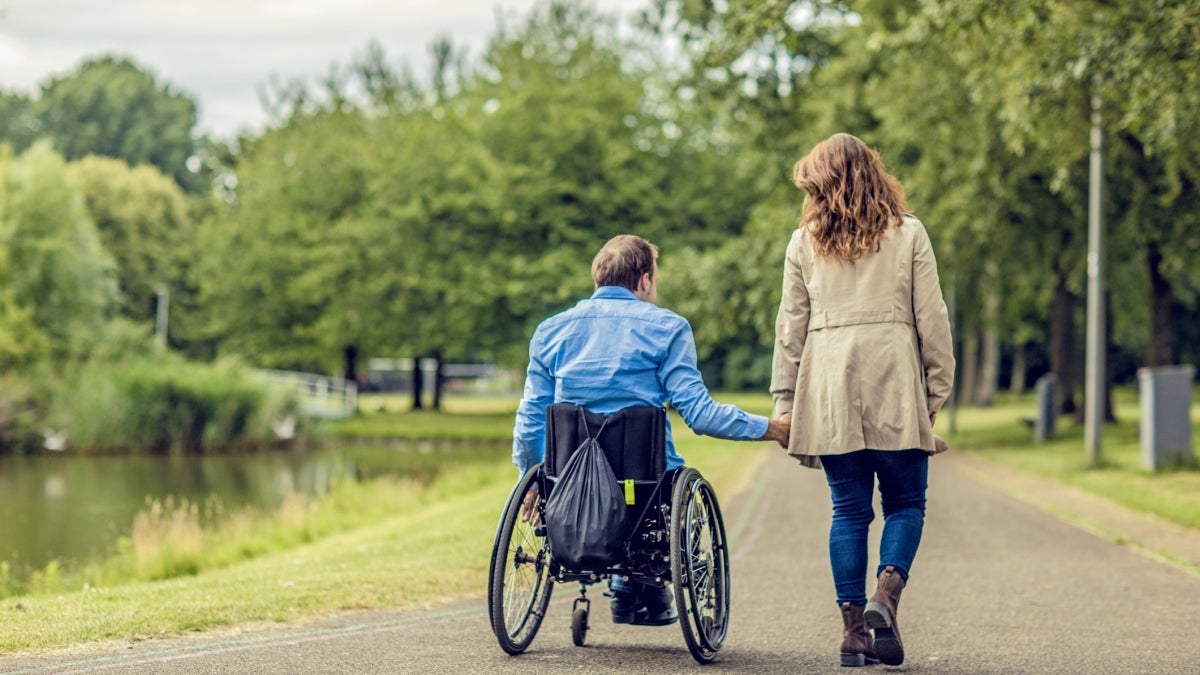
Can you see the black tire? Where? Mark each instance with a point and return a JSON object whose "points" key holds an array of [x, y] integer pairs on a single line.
{"points": [[579, 626], [699, 565], [519, 584]]}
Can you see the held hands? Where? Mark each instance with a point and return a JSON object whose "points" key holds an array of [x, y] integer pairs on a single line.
{"points": [[778, 429]]}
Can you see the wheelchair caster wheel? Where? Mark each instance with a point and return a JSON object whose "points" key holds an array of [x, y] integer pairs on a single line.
{"points": [[579, 626]]}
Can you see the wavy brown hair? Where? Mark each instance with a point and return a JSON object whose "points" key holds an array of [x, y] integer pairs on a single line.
{"points": [[852, 199]]}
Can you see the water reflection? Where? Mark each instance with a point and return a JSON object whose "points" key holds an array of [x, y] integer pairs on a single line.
{"points": [[73, 508]]}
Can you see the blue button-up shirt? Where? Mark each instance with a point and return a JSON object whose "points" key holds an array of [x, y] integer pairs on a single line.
{"points": [[612, 351]]}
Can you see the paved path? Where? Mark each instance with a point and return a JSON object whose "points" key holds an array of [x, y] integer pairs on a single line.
{"points": [[1001, 585]]}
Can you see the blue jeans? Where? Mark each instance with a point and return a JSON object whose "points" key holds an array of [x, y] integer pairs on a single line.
{"points": [[903, 476]]}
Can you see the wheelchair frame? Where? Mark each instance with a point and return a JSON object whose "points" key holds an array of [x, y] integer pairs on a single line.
{"points": [[681, 542]]}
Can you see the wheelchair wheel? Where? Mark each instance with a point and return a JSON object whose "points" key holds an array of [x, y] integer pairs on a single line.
{"points": [[579, 626], [519, 586], [699, 565]]}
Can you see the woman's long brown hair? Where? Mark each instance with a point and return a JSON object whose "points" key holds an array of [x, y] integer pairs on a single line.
{"points": [[852, 199]]}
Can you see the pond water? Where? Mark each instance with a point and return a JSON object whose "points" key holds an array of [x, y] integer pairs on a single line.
{"points": [[74, 508]]}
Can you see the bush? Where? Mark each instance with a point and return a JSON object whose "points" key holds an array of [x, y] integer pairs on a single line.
{"points": [[163, 404]]}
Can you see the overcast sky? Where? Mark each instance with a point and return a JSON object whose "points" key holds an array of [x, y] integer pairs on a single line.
{"points": [[220, 51]]}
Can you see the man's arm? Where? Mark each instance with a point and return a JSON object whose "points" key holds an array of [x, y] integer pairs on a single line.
{"points": [[529, 432], [684, 386]]}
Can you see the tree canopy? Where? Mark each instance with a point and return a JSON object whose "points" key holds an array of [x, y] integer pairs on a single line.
{"points": [[387, 214]]}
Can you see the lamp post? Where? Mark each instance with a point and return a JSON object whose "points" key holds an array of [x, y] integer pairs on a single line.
{"points": [[160, 323], [1094, 368]]}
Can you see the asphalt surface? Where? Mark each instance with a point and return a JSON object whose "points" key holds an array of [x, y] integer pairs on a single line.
{"points": [[1014, 575]]}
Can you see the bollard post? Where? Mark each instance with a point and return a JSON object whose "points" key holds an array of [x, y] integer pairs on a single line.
{"points": [[1047, 408], [1166, 424]]}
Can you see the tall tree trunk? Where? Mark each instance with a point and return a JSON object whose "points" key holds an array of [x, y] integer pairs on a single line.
{"points": [[1062, 344], [1161, 348], [970, 365], [437, 380], [418, 383], [989, 361], [1016, 383], [350, 363]]}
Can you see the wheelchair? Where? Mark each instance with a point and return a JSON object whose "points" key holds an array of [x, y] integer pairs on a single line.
{"points": [[676, 538]]}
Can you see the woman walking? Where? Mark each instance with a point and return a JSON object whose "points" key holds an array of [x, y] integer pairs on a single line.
{"points": [[863, 361]]}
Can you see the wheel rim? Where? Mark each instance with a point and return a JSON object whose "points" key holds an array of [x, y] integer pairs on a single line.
{"points": [[705, 569], [526, 580]]}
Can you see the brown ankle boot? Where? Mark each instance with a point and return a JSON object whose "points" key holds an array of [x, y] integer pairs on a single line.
{"points": [[856, 641], [880, 615]]}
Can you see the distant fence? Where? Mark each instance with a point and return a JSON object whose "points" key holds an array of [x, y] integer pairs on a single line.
{"points": [[396, 375], [320, 396]]}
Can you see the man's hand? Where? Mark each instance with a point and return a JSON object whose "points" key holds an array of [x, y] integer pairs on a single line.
{"points": [[778, 429], [529, 512]]}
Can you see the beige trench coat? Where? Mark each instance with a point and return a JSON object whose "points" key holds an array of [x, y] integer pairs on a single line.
{"points": [[863, 353]]}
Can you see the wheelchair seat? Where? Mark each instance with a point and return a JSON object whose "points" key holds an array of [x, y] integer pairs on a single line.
{"points": [[634, 439]]}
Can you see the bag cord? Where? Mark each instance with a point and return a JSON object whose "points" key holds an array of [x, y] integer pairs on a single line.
{"points": [[584, 424]]}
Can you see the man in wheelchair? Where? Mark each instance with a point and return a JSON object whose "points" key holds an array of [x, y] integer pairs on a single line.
{"points": [[617, 350]]}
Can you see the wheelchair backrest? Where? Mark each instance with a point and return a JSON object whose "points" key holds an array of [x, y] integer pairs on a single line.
{"points": [[634, 439]]}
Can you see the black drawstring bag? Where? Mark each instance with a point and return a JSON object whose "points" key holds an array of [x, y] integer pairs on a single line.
{"points": [[586, 515]]}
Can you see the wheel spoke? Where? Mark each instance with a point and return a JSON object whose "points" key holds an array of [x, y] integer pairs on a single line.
{"points": [[700, 566], [519, 585], [524, 578]]}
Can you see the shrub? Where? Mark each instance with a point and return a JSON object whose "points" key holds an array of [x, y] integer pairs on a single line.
{"points": [[163, 404]]}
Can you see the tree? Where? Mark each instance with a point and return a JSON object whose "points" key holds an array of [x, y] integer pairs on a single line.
{"points": [[143, 222], [18, 124], [58, 283], [1043, 62], [983, 110], [112, 107], [294, 251]]}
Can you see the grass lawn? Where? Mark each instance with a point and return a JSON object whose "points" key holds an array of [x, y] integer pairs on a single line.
{"points": [[997, 433]]}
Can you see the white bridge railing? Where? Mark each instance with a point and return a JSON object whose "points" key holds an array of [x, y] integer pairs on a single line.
{"points": [[320, 396]]}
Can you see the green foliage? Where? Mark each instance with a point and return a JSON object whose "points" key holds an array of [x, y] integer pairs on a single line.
{"points": [[17, 121], [983, 110], [56, 281], [161, 404], [298, 271], [1036, 68], [113, 107], [143, 221], [730, 296], [457, 222], [380, 216]]}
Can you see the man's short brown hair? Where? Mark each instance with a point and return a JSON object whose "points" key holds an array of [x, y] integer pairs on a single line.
{"points": [[623, 260]]}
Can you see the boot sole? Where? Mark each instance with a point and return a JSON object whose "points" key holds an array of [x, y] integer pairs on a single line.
{"points": [[644, 619], [657, 622], [888, 646], [857, 660]]}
